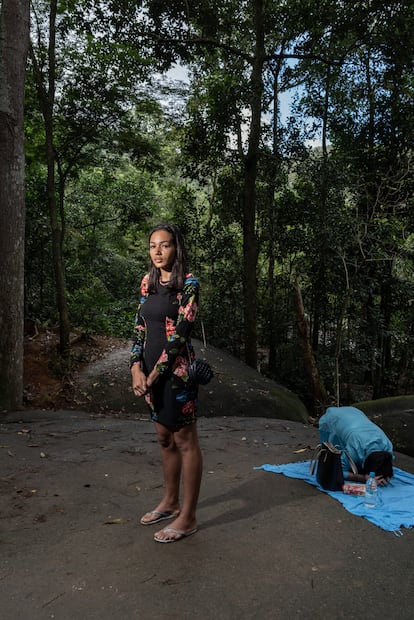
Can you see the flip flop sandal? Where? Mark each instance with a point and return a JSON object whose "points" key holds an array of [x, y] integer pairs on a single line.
{"points": [[158, 516], [178, 535]]}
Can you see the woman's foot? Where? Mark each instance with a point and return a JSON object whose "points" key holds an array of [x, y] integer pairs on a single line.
{"points": [[179, 528], [170, 534], [155, 516]]}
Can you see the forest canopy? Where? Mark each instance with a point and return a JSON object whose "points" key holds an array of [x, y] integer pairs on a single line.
{"points": [[300, 226]]}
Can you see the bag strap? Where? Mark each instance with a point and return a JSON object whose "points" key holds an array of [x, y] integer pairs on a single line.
{"points": [[188, 352], [327, 445], [315, 457], [351, 463], [203, 334]]}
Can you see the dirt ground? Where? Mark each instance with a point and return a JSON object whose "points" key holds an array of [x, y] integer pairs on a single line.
{"points": [[74, 484], [47, 384]]}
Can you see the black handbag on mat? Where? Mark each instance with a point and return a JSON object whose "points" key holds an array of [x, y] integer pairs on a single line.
{"points": [[329, 472]]}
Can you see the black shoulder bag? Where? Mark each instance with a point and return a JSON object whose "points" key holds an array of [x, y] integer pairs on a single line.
{"points": [[199, 370]]}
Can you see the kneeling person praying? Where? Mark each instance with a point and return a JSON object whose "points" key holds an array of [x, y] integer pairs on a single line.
{"points": [[349, 429]]}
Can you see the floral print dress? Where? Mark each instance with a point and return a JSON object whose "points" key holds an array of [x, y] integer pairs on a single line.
{"points": [[163, 326]]}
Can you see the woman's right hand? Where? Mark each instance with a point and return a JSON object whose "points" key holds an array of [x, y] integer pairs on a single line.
{"points": [[139, 381]]}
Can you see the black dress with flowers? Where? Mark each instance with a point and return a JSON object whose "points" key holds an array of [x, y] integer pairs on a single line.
{"points": [[162, 333]]}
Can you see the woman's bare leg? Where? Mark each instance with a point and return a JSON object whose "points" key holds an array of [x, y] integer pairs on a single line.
{"points": [[171, 465], [187, 444]]}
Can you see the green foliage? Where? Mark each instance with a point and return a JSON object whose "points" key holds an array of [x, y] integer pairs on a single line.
{"points": [[340, 214]]}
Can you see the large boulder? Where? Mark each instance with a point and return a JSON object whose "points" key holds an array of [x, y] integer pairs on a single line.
{"points": [[236, 390], [396, 417], [239, 390]]}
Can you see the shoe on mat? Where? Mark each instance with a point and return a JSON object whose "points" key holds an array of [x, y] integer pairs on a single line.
{"points": [[178, 535], [156, 516]]}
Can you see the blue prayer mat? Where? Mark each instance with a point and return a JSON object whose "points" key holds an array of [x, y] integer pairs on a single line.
{"points": [[395, 503]]}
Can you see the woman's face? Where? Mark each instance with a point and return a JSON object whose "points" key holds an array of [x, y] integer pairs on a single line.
{"points": [[162, 250]]}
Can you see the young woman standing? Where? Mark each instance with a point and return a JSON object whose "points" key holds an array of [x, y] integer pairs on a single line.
{"points": [[159, 367]]}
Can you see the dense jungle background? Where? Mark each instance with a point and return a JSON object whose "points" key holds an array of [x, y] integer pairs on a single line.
{"points": [[283, 152]]}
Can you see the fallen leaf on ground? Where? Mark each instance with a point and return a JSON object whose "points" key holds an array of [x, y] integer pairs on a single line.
{"points": [[115, 521]]}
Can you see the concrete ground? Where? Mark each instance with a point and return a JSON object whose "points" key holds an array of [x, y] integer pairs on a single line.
{"points": [[74, 484]]}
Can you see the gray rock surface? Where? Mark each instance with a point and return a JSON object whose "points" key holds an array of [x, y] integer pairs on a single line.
{"points": [[74, 484], [236, 389]]}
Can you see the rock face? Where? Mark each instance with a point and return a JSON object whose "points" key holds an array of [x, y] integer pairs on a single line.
{"points": [[236, 390], [396, 417]]}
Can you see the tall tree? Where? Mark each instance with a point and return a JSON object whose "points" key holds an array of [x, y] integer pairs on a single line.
{"points": [[46, 86], [85, 83], [362, 103], [14, 40], [230, 42]]}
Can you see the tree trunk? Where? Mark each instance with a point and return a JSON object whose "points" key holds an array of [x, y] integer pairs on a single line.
{"points": [[381, 384], [318, 392], [249, 194], [272, 223], [319, 288], [46, 96], [14, 39]]}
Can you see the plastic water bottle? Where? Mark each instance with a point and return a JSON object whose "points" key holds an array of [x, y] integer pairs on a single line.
{"points": [[371, 491]]}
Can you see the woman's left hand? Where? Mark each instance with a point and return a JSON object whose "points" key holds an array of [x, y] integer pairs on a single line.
{"points": [[139, 381]]}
